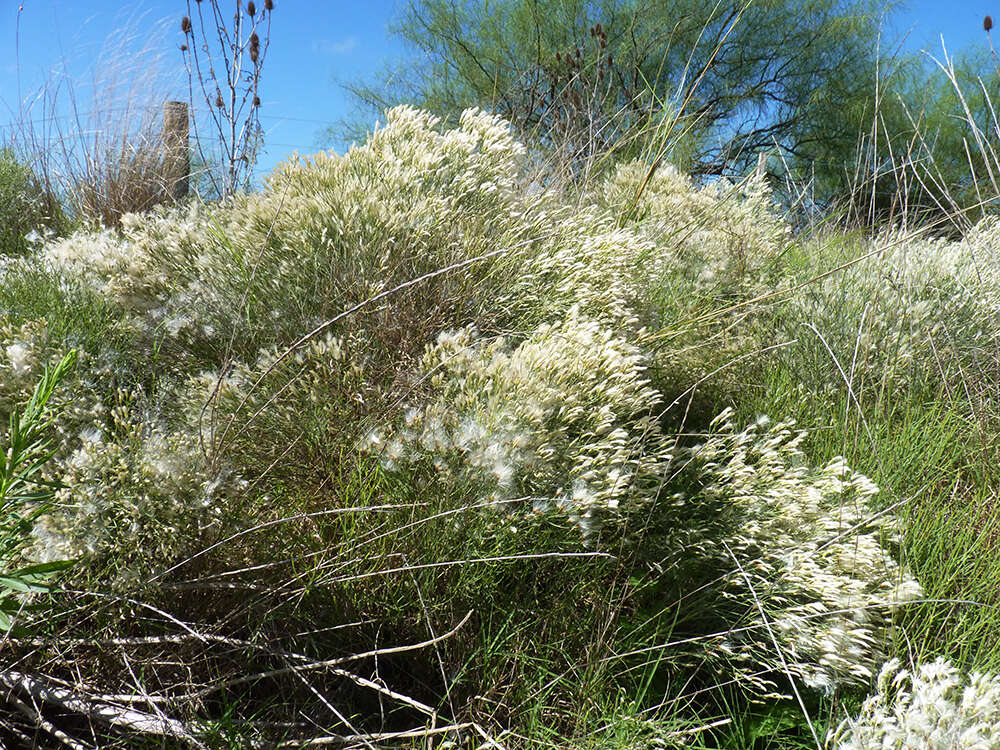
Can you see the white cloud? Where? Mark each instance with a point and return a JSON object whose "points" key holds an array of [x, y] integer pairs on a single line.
{"points": [[343, 46]]}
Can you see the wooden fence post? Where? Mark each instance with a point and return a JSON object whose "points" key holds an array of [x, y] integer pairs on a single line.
{"points": [[176, 158]]}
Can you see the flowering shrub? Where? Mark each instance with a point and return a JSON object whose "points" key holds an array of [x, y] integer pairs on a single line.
{"points": [[932, 706], [146, 497], [809, 559], [531, 381], [323, 235], [20, 361], [564, 420], [917, 312], [716, 234]]}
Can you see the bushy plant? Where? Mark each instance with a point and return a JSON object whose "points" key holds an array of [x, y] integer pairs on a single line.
{"points": [[932, 705], [106, 158], [810, 560], [564, 421], [28, 211], [718, 237], [424, 376], [909, 313]]}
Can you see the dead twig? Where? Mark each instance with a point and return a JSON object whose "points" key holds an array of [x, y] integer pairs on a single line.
{"points": [[68, 700]]}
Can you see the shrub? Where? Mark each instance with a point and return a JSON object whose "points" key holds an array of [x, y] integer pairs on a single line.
{"points": [[564, 421], [932, 705], [714, 239], [27, 210], [809, 561], [489, 423]]}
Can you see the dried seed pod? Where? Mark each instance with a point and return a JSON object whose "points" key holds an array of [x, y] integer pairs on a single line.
{"points": [[577, 53], [184, 48], [600, 30], [254, 47], [186, 25], [987, 23], [611, 61], [218, 100], [268, 5], [251, 9], [256, 101], [604, 43]]}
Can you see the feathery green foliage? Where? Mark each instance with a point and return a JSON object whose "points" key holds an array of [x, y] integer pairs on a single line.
{"points": [[25, 495], [596, 78]]}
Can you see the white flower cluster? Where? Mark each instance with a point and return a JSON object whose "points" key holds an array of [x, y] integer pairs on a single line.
{"points": [[318, 377], [324, 233], [147, 496], [917, 310], [933, 706], [720, 233], [562, 421], [20, 355], [809, 547], [584, 262]]}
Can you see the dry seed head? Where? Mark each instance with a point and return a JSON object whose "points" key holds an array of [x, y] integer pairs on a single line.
{"points": [[256, 101], [218, 101], [987, 23], [251, 9], [268, 5], [184, 48], [186, 25], [254, 47]]}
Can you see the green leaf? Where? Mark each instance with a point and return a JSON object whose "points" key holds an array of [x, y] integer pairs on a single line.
{"points": [[46, 568], [13, 583], [25, 494]]}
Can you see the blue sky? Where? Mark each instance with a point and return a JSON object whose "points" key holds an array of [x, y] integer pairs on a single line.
{"points": [[313, 45]]}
